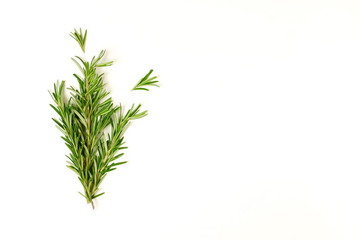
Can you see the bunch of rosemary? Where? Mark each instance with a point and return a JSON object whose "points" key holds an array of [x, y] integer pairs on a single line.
{"points": [[84, 116]]}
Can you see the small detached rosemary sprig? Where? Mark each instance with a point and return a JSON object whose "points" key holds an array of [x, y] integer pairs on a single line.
{"points": [[146, 81], [84, 117], [80, 38]]}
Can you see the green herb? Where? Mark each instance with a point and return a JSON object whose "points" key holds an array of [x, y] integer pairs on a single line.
{"points": [[146, 81], [84, 118], [80, 38]]}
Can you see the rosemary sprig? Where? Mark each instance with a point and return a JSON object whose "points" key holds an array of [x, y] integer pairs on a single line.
{"points": [[80, 38], [83, 118], [146, 81]]}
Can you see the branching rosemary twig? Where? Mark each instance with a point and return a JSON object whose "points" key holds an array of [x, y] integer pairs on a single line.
{"points": [[83, 118]]}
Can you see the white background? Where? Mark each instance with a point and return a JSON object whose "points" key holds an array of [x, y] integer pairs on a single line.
{"points": [[255, 133]]}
